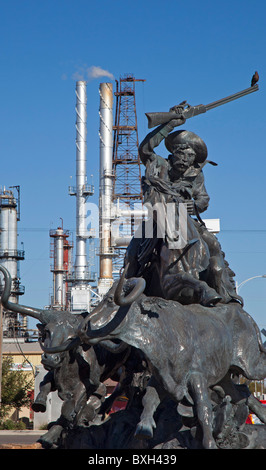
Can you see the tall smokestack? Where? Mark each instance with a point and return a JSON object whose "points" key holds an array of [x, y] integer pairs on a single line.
{"points": [[81, 181], [106, 182], [80, 290]]}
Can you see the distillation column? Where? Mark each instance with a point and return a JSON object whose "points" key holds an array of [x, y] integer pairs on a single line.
{"points": [[9, 253], [60, 248]]}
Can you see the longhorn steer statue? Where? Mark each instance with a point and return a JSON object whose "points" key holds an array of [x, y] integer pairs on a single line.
{"points": [[77, 373], [190, 349]]}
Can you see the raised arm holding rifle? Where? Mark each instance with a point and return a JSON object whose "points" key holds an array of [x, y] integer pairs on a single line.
{"points": [[180, 176]]}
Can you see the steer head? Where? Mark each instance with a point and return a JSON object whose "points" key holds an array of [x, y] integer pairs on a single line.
{"points": [[58, 330], [57, 337]]}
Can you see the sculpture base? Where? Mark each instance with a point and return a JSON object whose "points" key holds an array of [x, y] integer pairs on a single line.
{"points": [[118, 432]]}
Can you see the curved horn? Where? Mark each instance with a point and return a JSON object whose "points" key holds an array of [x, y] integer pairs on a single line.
{"points": [[69, 344], [86, 332], [139, 286], [32, 312], [113, 347]]}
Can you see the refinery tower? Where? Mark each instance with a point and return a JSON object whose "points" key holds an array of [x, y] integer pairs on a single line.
{"points": [[10, 256], [119, 190]]}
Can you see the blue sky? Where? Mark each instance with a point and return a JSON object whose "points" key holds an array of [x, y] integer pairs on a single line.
{"points": [[198, 51]]}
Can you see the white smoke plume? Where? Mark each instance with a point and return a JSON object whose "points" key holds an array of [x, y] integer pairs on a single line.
{"points": [[97, 71], [91, 73]]}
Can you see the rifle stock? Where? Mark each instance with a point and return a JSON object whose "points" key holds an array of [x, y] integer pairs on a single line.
{"points": [[156, 119]]}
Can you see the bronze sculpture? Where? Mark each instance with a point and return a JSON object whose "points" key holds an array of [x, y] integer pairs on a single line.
{"points": [[172, 329]]}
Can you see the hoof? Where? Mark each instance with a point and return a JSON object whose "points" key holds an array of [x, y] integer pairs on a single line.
{"points": [[143, 431], [211, 300], [39, 406], [46, 444], [50, 439]]}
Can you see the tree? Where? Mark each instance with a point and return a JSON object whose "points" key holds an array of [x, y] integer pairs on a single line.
{"points": [[15, 388]]}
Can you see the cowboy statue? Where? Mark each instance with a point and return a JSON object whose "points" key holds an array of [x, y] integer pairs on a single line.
{"points": [[197, 272]]}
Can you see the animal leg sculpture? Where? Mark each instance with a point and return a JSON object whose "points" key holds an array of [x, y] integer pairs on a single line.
{"points": [[199, 393], [238, 392], [150, 402], [186, 289], [93, 404], [50, 439], [257, 408], [46, 387]]}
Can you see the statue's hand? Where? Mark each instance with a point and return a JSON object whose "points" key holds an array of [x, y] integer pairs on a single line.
{"points": [[178, 109], [179, 121]]}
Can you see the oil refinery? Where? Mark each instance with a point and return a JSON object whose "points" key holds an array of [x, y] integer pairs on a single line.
{"points": [[81, 271]]}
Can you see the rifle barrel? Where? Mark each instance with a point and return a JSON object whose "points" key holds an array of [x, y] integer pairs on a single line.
{"points": [[247, 91]]}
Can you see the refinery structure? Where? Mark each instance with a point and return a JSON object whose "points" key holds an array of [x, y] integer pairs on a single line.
{"points": [[83, 265], [77, 283], [10, 255]]}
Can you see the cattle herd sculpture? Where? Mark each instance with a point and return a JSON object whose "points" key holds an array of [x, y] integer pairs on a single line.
{"points": [[172, 331]]}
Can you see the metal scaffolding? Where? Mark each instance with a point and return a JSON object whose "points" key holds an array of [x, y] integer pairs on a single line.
{"points": [[127, 191]]}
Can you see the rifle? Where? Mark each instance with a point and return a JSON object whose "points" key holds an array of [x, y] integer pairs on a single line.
{"points": [[156, 119]]}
